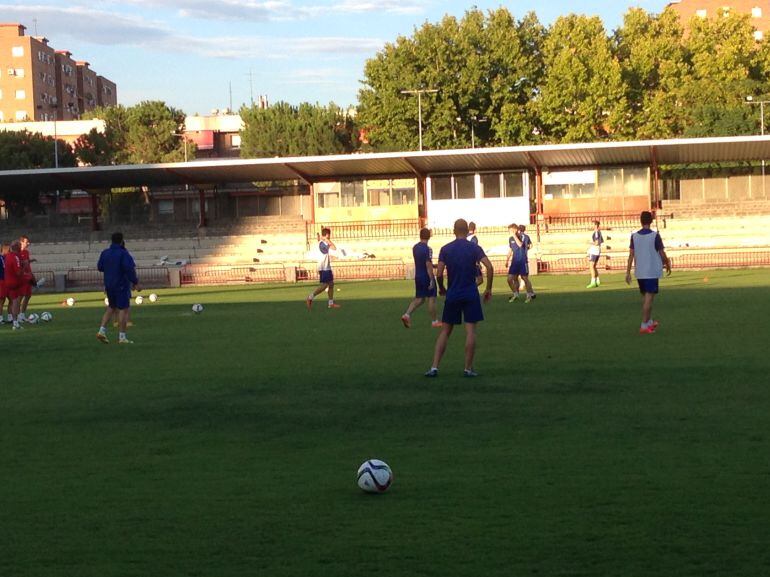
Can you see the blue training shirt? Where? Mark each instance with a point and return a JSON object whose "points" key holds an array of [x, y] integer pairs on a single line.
{"points": [[422, 254], [597, 237], [118, 267], [519, 252], [460, 257]]}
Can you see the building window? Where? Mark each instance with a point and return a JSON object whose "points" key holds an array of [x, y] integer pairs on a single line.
{"points": [[165, 207], [352, 193], [756, 12], [403, 192], [2, 116], [1, 93], [465, 186], [758, 35], [725, 11], [19, 72], [514, 184], [441, 188], [329, 199], [21, 95], [702, 13], [235, 141], [17, 51], [21, 115], [490, 185]]}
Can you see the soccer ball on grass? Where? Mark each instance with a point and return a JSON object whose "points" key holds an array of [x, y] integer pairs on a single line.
{"points": [[46, 317], [139, 299], [197, 308], [153, 297], [374, 476]]}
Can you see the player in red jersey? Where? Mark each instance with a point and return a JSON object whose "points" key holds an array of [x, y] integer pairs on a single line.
{"points": [[3, 251], [13, 281], [28, 279]]}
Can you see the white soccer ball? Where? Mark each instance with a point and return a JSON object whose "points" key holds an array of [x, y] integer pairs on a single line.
{"points": [[197, 308], [46, 317], [374, 476], [70, 302], [33, 319], [153, 297], [107, 301], [139, 299]]}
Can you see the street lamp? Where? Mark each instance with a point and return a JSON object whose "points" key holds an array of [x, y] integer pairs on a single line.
{"points": [[474, 121], [419, 92], [750, 100]]}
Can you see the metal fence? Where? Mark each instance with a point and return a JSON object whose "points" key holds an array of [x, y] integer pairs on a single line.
{"points": [[683, 261], [201, 274], [585, 221], [357, 270], [158, 277], [367, 229]]}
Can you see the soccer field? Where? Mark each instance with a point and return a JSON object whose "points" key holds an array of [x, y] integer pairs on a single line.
{"points": [[226, 443]]}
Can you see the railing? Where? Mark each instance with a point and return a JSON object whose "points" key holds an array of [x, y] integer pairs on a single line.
{"points": [[47, 278], [366, 229], [92, 278], [356, 270], [585, 221], [201, 274]]}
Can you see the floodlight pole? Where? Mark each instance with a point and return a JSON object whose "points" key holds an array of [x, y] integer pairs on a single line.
{"points": [[750, 100], [419, 92]]}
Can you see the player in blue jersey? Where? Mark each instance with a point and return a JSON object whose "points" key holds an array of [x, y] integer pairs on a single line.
{"points": [[594, 252], [527, 242], [119, 270], [475, 240], [424, 280], [462, 304], [648, 256], [325, 275], [518, 264]]}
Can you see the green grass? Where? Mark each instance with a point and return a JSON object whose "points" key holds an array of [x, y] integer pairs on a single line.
{"points": [[226, 443]]}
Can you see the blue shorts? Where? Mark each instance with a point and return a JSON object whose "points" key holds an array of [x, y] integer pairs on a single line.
{"points": [[120, 299], [325, 276], [421, 289], [519, 268], [594, 257], [648, 285], [463, 310]]}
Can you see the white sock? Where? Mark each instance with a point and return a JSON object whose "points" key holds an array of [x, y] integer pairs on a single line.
{"points": [[22, 317], [407, 315], [103, 330], [121, 335], [331, 301], [10, 318], [310, 297]]}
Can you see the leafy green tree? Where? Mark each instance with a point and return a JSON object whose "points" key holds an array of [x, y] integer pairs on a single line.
{"points": [[26, 150], [484, 67], [655, 72], [304, 130], [149, 132], [582, 97]]}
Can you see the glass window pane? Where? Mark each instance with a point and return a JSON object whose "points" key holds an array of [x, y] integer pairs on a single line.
{"points": [[379, 197], [465, 186], [490, 185], [329, 200], [403, 196], [514, 184], [441, 188], [635, 181], [352, 193]]}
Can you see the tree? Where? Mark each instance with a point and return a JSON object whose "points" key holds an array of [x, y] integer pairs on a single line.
{"points": [[654, 69], [148, 132], [26, 150], [485, 68], [582, 97], [307, 129]]}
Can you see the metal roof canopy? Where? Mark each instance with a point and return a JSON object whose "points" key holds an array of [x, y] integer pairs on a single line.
{"points": [[397, 164]]}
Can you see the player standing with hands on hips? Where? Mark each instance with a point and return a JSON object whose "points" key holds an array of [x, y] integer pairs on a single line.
{"points": [[648, 256], [462, 304]]}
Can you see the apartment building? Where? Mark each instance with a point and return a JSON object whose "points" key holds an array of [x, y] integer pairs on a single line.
{"points": [[758, 11], [39, 83], [86, 86]]}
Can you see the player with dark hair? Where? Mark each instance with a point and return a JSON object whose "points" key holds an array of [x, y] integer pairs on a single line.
{"points": [[119, 270], [3, 251], [594, 252], [326, 277], [28, 279], [13, 278], [424, 280], [475, 240], [462, 304], [648, 256], [518, 264]]}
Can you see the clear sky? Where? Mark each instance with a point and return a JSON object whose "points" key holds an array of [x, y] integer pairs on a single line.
{"points": [[189, 52]]}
